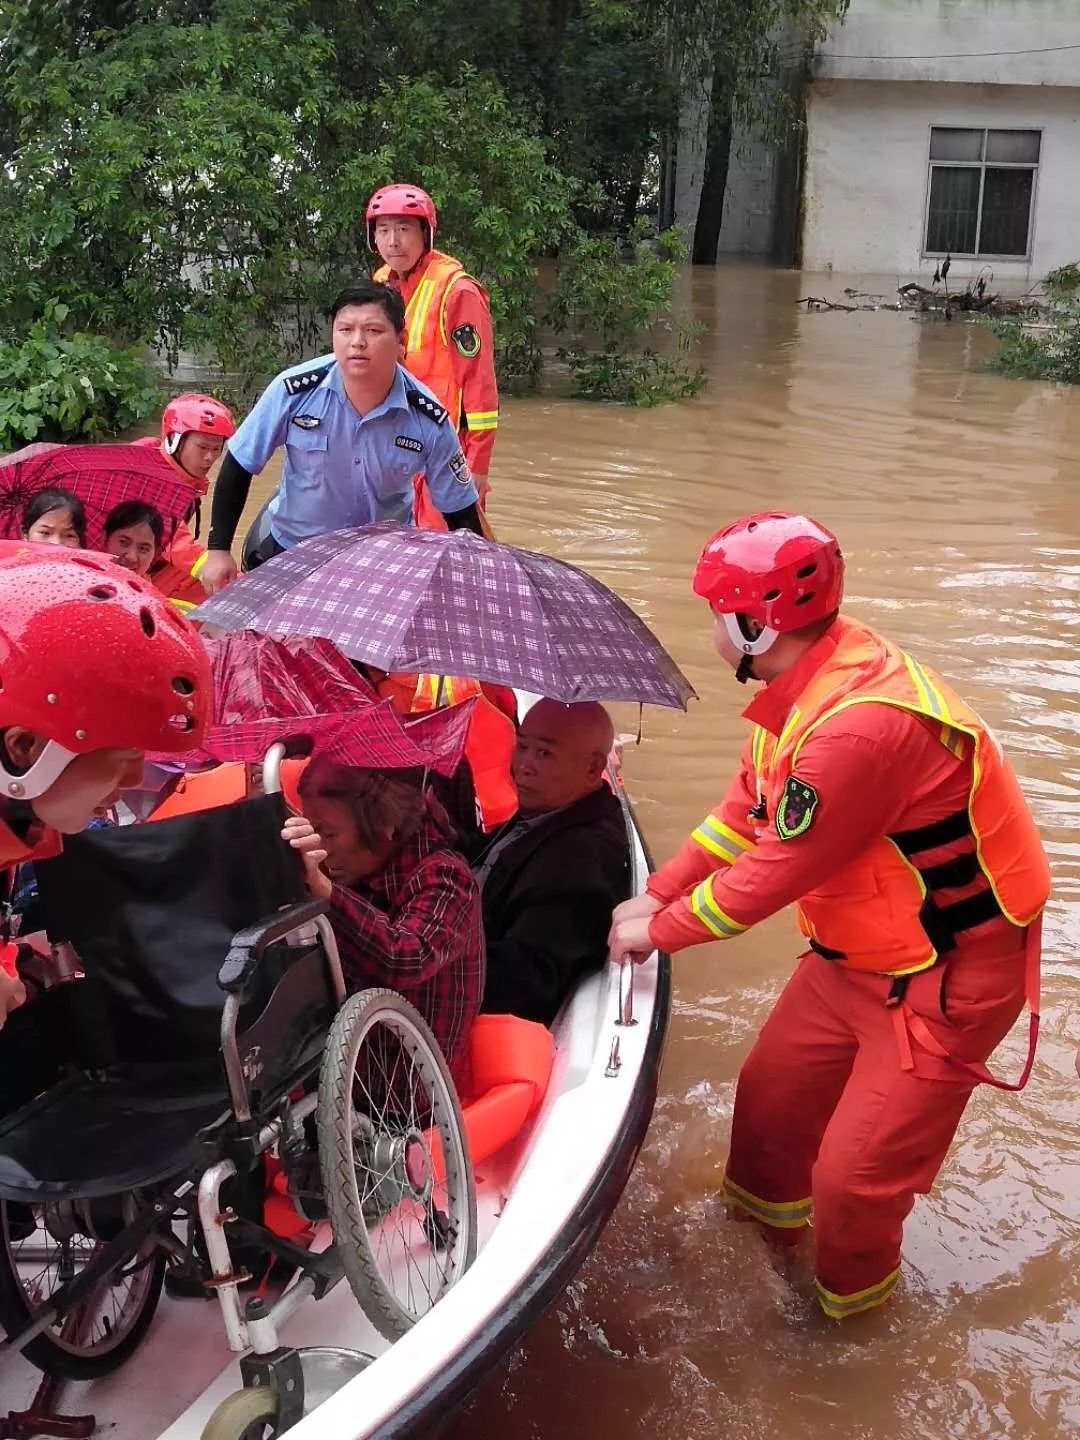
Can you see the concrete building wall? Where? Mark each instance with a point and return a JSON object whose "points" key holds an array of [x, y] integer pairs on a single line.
{"points": [[866, 179], [972, 42]]}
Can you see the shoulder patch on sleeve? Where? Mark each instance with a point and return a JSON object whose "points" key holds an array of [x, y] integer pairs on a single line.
{"points": [[427, 406], [467, 341], [795, 813], [306, 379]]}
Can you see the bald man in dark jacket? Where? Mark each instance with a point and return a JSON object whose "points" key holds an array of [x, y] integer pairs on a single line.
{"points": [[551, 877]]}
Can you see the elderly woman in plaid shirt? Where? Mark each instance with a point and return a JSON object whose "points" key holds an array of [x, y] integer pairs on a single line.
{"points": [[403, 903]]}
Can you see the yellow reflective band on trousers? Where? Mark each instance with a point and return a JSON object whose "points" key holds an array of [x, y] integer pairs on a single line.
{"points": [[782, 1215], [838, 1307], [478, 420], [711, 916], [721, 840]]}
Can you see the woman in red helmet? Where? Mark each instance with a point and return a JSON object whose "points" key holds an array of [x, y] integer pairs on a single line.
{"points": [[877, 801], [95, 668], [194, 429], [448, 319]]}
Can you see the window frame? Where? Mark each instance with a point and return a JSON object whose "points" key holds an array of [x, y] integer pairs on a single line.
{"points": [[981, 165]]}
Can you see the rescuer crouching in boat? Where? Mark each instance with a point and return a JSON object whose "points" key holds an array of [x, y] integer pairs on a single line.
{"points": [[94, 674], [874, 798], [550, 876], [403, 903]]}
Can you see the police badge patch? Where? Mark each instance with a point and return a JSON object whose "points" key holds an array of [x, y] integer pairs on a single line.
{"points": [[795, 812], [459, 468], [307, 422], [466, 340]]}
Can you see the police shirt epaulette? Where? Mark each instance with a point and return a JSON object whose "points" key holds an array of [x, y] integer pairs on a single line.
{"points": [[427, 406], [307, 379]]}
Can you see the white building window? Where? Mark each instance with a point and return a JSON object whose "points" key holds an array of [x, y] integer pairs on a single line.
{"points": [[982, 184]]}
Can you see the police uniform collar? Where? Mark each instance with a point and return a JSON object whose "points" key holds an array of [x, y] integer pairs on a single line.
{"points": [[772, 703], [396, 398]]}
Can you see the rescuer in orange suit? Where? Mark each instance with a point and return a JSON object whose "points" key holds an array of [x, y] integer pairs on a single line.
{"points": [[194, 429], [874, 798], [94, 673], [447, 317]]}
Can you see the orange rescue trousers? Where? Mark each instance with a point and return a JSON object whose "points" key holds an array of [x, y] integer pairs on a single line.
{"points": [[833, 1120]]}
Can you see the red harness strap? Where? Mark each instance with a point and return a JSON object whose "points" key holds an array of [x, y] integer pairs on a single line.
{"points": [[910, 1026]]}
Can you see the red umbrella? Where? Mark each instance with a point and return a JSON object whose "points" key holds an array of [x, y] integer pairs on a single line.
{"points": [[101, 476], [269, 690]]}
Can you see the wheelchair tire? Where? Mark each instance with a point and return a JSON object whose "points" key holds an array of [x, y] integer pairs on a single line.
{"points": [[52, 1351], [397, 1178], [244, 1415]]}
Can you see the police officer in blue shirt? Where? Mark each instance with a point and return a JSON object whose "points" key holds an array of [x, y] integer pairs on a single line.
{"points": [[357, 428]]}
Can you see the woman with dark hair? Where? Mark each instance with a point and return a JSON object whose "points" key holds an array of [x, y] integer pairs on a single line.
{"points": [[55, 517], [134, 534], [404, 905]]}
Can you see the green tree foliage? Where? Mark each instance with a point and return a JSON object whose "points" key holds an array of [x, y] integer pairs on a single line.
{"points": [[192, 173], [70, 387], [1043, 345]]}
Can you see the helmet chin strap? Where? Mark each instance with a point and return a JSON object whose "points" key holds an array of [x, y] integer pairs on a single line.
{"points": [[764, 640], [33, 782]]}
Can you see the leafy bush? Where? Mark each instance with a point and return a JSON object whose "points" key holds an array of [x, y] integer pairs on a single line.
{"points": [[615, 295], [69, 387], [1043, 345], [1050, 352]]}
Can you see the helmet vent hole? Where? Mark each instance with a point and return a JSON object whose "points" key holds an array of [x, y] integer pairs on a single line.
{"points": [[183, 686], [102, 592], [184, 723], [803, 599], [147, 621], [806, 571], [771, 595]]}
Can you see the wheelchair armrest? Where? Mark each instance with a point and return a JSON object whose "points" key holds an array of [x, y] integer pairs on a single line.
{"points": [[249, 944]]}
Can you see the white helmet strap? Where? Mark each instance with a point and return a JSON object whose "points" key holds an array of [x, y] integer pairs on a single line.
{"points": [[45, 771], [765, 640]]}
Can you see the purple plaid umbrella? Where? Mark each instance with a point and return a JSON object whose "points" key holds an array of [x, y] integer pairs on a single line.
{"points": [[452, 603]]}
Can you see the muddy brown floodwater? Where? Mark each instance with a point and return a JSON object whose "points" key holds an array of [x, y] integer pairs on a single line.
{"points": [[957, 498]]}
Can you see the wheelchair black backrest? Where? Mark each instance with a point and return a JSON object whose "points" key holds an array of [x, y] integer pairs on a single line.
{"points": [[151, 911]]}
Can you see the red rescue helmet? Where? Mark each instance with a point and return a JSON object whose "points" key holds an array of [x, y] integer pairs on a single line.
{"points": [[778, 571], [401, 200], [93, 658], [190, 412]]}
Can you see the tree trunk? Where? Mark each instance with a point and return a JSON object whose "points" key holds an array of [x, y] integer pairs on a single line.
{"points": [[710, 214]]}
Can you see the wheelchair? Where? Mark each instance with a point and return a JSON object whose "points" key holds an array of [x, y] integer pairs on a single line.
{"points": [[187, 1066]]}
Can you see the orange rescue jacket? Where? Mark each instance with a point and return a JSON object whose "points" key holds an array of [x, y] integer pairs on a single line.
{"points": [[468, 391], [492, 736], [894, 909]]}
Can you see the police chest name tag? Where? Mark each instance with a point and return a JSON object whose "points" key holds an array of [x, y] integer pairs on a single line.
{"points": [[307, 422], [795, 813], [407, 442]]}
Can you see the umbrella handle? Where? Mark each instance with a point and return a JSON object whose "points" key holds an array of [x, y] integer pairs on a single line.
{"points": [[271, 769]]}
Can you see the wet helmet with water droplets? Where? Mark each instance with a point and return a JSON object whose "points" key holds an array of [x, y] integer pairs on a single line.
{"points": [[401, 200], [769, 574], [92, 658]]}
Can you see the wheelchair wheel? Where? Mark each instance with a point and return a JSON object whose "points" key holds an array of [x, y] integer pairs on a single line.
{"points": [[43, 1248], [244, 1415], [397, 1178]]}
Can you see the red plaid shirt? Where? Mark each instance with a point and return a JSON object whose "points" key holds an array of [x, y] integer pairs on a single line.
{"points": [[416, 927]]}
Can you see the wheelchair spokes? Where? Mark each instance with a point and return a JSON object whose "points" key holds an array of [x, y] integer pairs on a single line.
{"points": [[396, 1173]]}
